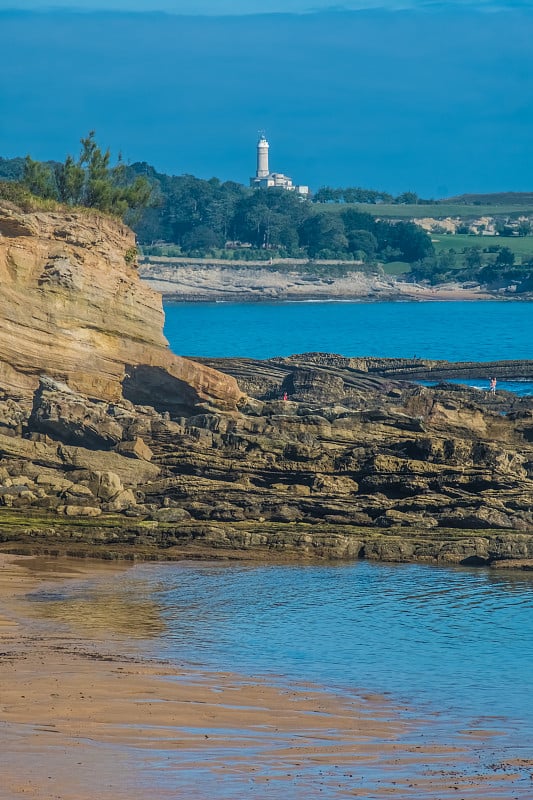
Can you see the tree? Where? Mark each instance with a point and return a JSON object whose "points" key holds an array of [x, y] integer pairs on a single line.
{"points": [[433, 269], [358, 220], [90, 181], [201, 239], [406, 240], [269, 218], [324, 235], [407, 198], [11, 169], [473, 257], [70, 180], [503, 228], [38, 178], [326, 194], [362, 244], [505, 257]]}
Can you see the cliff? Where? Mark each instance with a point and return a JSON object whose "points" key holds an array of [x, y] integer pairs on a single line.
{"points": [[73, 308], [210, 280]]}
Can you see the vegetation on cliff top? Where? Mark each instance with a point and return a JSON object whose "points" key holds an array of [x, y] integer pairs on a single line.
{"points": [[210, 217], [90, 181]]}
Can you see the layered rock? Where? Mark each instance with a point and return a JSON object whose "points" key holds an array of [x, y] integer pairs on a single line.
{"points": [[387, 471], [73, 308]]}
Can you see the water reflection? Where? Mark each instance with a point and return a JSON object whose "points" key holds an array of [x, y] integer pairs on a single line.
{"points": [[457, 638], [96, 610], [453, 639]]}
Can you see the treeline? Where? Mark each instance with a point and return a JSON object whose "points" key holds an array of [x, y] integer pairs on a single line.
{"points": [[357, 194], [90, 180], [201, 218], [204, 217]]}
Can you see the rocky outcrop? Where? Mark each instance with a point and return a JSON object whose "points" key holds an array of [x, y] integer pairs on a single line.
{"points": [[110, 444], [73, 308], [424, 369], [383, 470], [367, 372], [209, 280]]}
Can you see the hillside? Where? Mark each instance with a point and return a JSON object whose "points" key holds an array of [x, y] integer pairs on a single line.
{"points": [[523, 199]]}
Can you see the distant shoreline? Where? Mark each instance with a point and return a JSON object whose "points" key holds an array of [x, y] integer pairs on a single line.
{"points": [[215, 283]]}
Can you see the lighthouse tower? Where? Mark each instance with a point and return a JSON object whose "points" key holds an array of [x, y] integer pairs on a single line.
{"points": [[262, 157], [264, 179]]}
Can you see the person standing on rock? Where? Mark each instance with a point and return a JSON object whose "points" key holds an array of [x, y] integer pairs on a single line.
{"points": [[493, 385]]}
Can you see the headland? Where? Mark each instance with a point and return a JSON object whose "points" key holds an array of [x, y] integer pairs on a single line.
{"points": [[111, 446], [184, 280]]}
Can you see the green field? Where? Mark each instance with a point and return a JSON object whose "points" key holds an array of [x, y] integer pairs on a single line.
{"points": [[521, 246], [396, 267], [437, 211]]}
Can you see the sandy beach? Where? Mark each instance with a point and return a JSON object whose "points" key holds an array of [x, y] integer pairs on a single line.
{"points": [[85, 716]]}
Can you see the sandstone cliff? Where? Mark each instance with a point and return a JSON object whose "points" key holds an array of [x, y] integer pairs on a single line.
{"points": [[73, 308]]}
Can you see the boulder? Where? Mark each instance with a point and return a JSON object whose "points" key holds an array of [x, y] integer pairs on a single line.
{"points": [[334, 484], [79, 511], [313, 384], [170, 515], [67, 416], [105, 485], [135, 448], [125, 499]]}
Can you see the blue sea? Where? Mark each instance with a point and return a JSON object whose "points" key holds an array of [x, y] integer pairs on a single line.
{"points": [[455, 331], [449, 651], [451, 331]]}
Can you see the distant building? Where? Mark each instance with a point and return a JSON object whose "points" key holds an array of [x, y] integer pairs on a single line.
{"points": [[263, 178]]}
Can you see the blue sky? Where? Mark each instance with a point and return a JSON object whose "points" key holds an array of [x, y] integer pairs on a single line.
{"points": [[237, 7], [435, 101]]}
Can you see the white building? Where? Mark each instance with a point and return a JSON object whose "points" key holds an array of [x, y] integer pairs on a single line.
{"points": [[263, 178]]}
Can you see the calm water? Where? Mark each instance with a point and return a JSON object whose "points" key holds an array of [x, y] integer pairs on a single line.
{"points": [[456, 641], [475, 331]]}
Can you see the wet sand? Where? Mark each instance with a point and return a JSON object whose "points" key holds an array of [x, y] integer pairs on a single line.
{"points": [[82, 717]]}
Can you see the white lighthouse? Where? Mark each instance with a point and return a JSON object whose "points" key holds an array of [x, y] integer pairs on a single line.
{"points": [[264, 179], [262, 157]]}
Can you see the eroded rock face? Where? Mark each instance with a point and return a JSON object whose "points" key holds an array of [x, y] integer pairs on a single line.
{"points": [[73, 419], [73, 308], [395, 472]]}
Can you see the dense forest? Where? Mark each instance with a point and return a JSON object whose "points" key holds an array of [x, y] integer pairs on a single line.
{"points": [[203, 217]]}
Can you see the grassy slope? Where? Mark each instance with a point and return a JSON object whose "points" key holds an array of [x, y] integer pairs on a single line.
{"points": [[521, 246]]}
